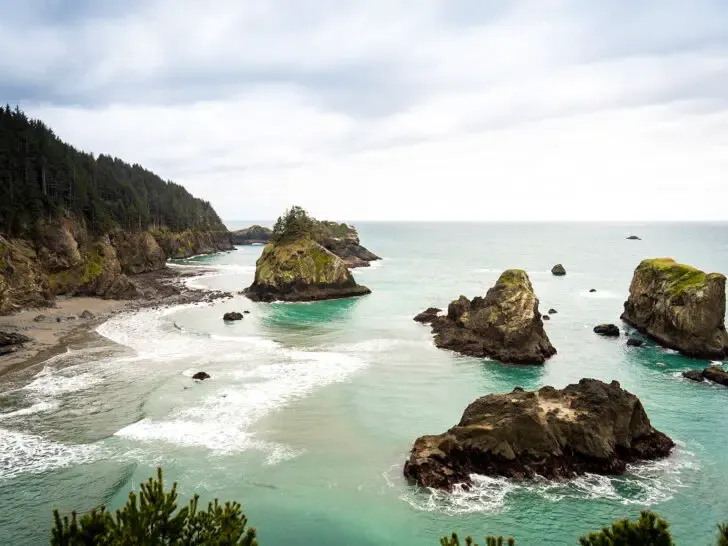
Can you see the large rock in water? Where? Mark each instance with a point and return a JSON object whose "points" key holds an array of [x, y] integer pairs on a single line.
{"points": [[505, 325], [588, 427], [251, 236], [680, 307], [343, 240], [301, 270]]}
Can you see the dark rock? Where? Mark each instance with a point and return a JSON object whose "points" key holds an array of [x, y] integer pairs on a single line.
{"points": [[506, 325], [552, 311], [546, 317], [201, 376], [592, 290], [634, 342], [87, 315], [558, 270], [590, 427], [343, 240], [680, 307], [12, 339], [716, 374], [633, 238], [253, 235], [58, 319], [608, 330], [428, 315], [233, 315], [39, 318], [693, 375], [246, 312], [517, 388]]}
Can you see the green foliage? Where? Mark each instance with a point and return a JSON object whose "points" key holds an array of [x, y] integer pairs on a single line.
{"points": [[294, 223], [650, 529], [43, 178], [723, 534], [152, 519]]}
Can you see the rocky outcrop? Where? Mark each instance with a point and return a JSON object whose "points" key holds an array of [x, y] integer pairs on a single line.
{"points": [[608, 330], [343, 240], [633, 238], [558, 270], [716, 374], [23, 282], [253, 235], [694, 375], [428, 315], [300, 269], [138, 252], [185, 244], [506, 325], [552, 311], [11, 342], [634, 342], [201, 376], [680, 307], [231, 316], [587, 427]]}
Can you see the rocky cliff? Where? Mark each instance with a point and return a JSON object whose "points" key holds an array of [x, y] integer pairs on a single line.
{"points": [[63, 258], [505, 325], [587, 427], [300, 269], [343, 240], [680, 307], [251, 236]]}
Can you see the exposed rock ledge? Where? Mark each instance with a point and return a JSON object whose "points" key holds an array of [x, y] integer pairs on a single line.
{"points": [[253, 235], [680, 307], [301, 270], [505, 325], [588, 427]]}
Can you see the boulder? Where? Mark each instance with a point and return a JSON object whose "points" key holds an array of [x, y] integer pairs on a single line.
{"points": [[246, 312], [592, 290], [680, 307], [39, 318], [87, 315], [608, 330], [589, 427], [300, 269], [633, 238], [634, 342], [716, 374], [506, 325], [201, 376], [558, 270], [552, 311], [546, 317], [231, 316], [694, 375], [8, 339], [428, 315]]}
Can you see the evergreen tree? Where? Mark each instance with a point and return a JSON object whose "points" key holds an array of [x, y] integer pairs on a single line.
{"points": [[649, 530]]}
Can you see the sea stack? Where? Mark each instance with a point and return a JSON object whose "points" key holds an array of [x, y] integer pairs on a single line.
{"points": [[295, 267], [506, 325], [680, 307], [590, 427], [558, 270]]}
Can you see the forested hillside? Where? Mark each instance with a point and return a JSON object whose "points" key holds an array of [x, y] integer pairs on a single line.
{"points": [[43, 178]]}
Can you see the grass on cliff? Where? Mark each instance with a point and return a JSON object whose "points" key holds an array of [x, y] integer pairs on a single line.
{"points": [[512, 277], [680, 276]]}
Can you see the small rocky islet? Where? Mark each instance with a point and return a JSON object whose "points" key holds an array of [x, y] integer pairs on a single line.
{"points": [[505, 325], [590, 427]]}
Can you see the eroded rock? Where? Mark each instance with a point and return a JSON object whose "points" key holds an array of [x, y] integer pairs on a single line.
{"points": [[558, 270], [608, 330], [428, 315]]}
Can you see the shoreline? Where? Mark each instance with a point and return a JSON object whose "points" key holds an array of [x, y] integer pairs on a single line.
{"points": [[53, 330]]}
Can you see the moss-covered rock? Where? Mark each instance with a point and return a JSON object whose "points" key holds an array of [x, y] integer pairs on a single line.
{"points": [[301, 270], [679, 306], [505, 325]]}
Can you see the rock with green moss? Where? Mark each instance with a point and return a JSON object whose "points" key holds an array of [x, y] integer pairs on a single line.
{"points": [[680, 307], [506, 325], [300, 269]]}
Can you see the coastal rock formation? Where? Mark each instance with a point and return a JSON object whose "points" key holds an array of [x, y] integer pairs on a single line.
{"points": [[138, 252], [633, 238], [428, 315], [201, 376], [253, 235], [231, 316], [506, 325], [343, 240], [634, 342], [11, 341], [552, 311], [300, 269], [546, 317], [716, 374], [23, 282], [608, 330], [680, 307], [558, 270], [586, 427], [592, 290], [185, 244], [694, 375]]}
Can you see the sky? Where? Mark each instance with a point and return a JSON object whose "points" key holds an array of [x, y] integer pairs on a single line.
{"points": [[451, 110]]}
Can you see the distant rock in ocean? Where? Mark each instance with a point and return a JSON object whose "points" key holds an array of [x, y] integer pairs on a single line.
{"points": [[552, 311], [589, 427], [428, 315], [634, 342], [607, 330], [680, 307], [558, 270], [201, 376], [633, 238], [231, 316], [506, 325], [251, 236], [592, 290], [716, 374], [694, 375]]}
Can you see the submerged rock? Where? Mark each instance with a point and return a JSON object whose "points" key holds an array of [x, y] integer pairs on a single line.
{"points": [[558, 270], [716, 374], [201, 376], [301, 269], [231, 316], [428, 315], [246, 312], [634, 342], [633, 238], [592, 290], [608, 330], [680, 307], [552, 311], [693, 375], [587, 427], [506, 325]]}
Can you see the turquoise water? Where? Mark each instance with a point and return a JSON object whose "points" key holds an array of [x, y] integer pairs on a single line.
{"points": [[312, 408]]}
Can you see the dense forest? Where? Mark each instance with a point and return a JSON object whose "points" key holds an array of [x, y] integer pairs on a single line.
{"points": [[43, 178]]}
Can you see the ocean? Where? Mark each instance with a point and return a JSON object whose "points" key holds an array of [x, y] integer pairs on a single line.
{"points": [[312, 408]]}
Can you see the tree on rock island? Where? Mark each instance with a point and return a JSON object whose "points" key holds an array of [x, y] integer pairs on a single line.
{"points": [[294, 223]]}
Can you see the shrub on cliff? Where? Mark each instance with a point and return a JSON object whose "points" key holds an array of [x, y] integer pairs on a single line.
{"points": [[294, 223]]}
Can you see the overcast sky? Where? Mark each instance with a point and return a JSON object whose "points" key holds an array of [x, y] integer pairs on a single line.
{"points": [[392, 109]]}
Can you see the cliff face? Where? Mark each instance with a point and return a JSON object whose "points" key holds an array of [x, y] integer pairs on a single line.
{"points": [[505, 325], [301, 270], [64, 259], [343, 240], [680, 307]]}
